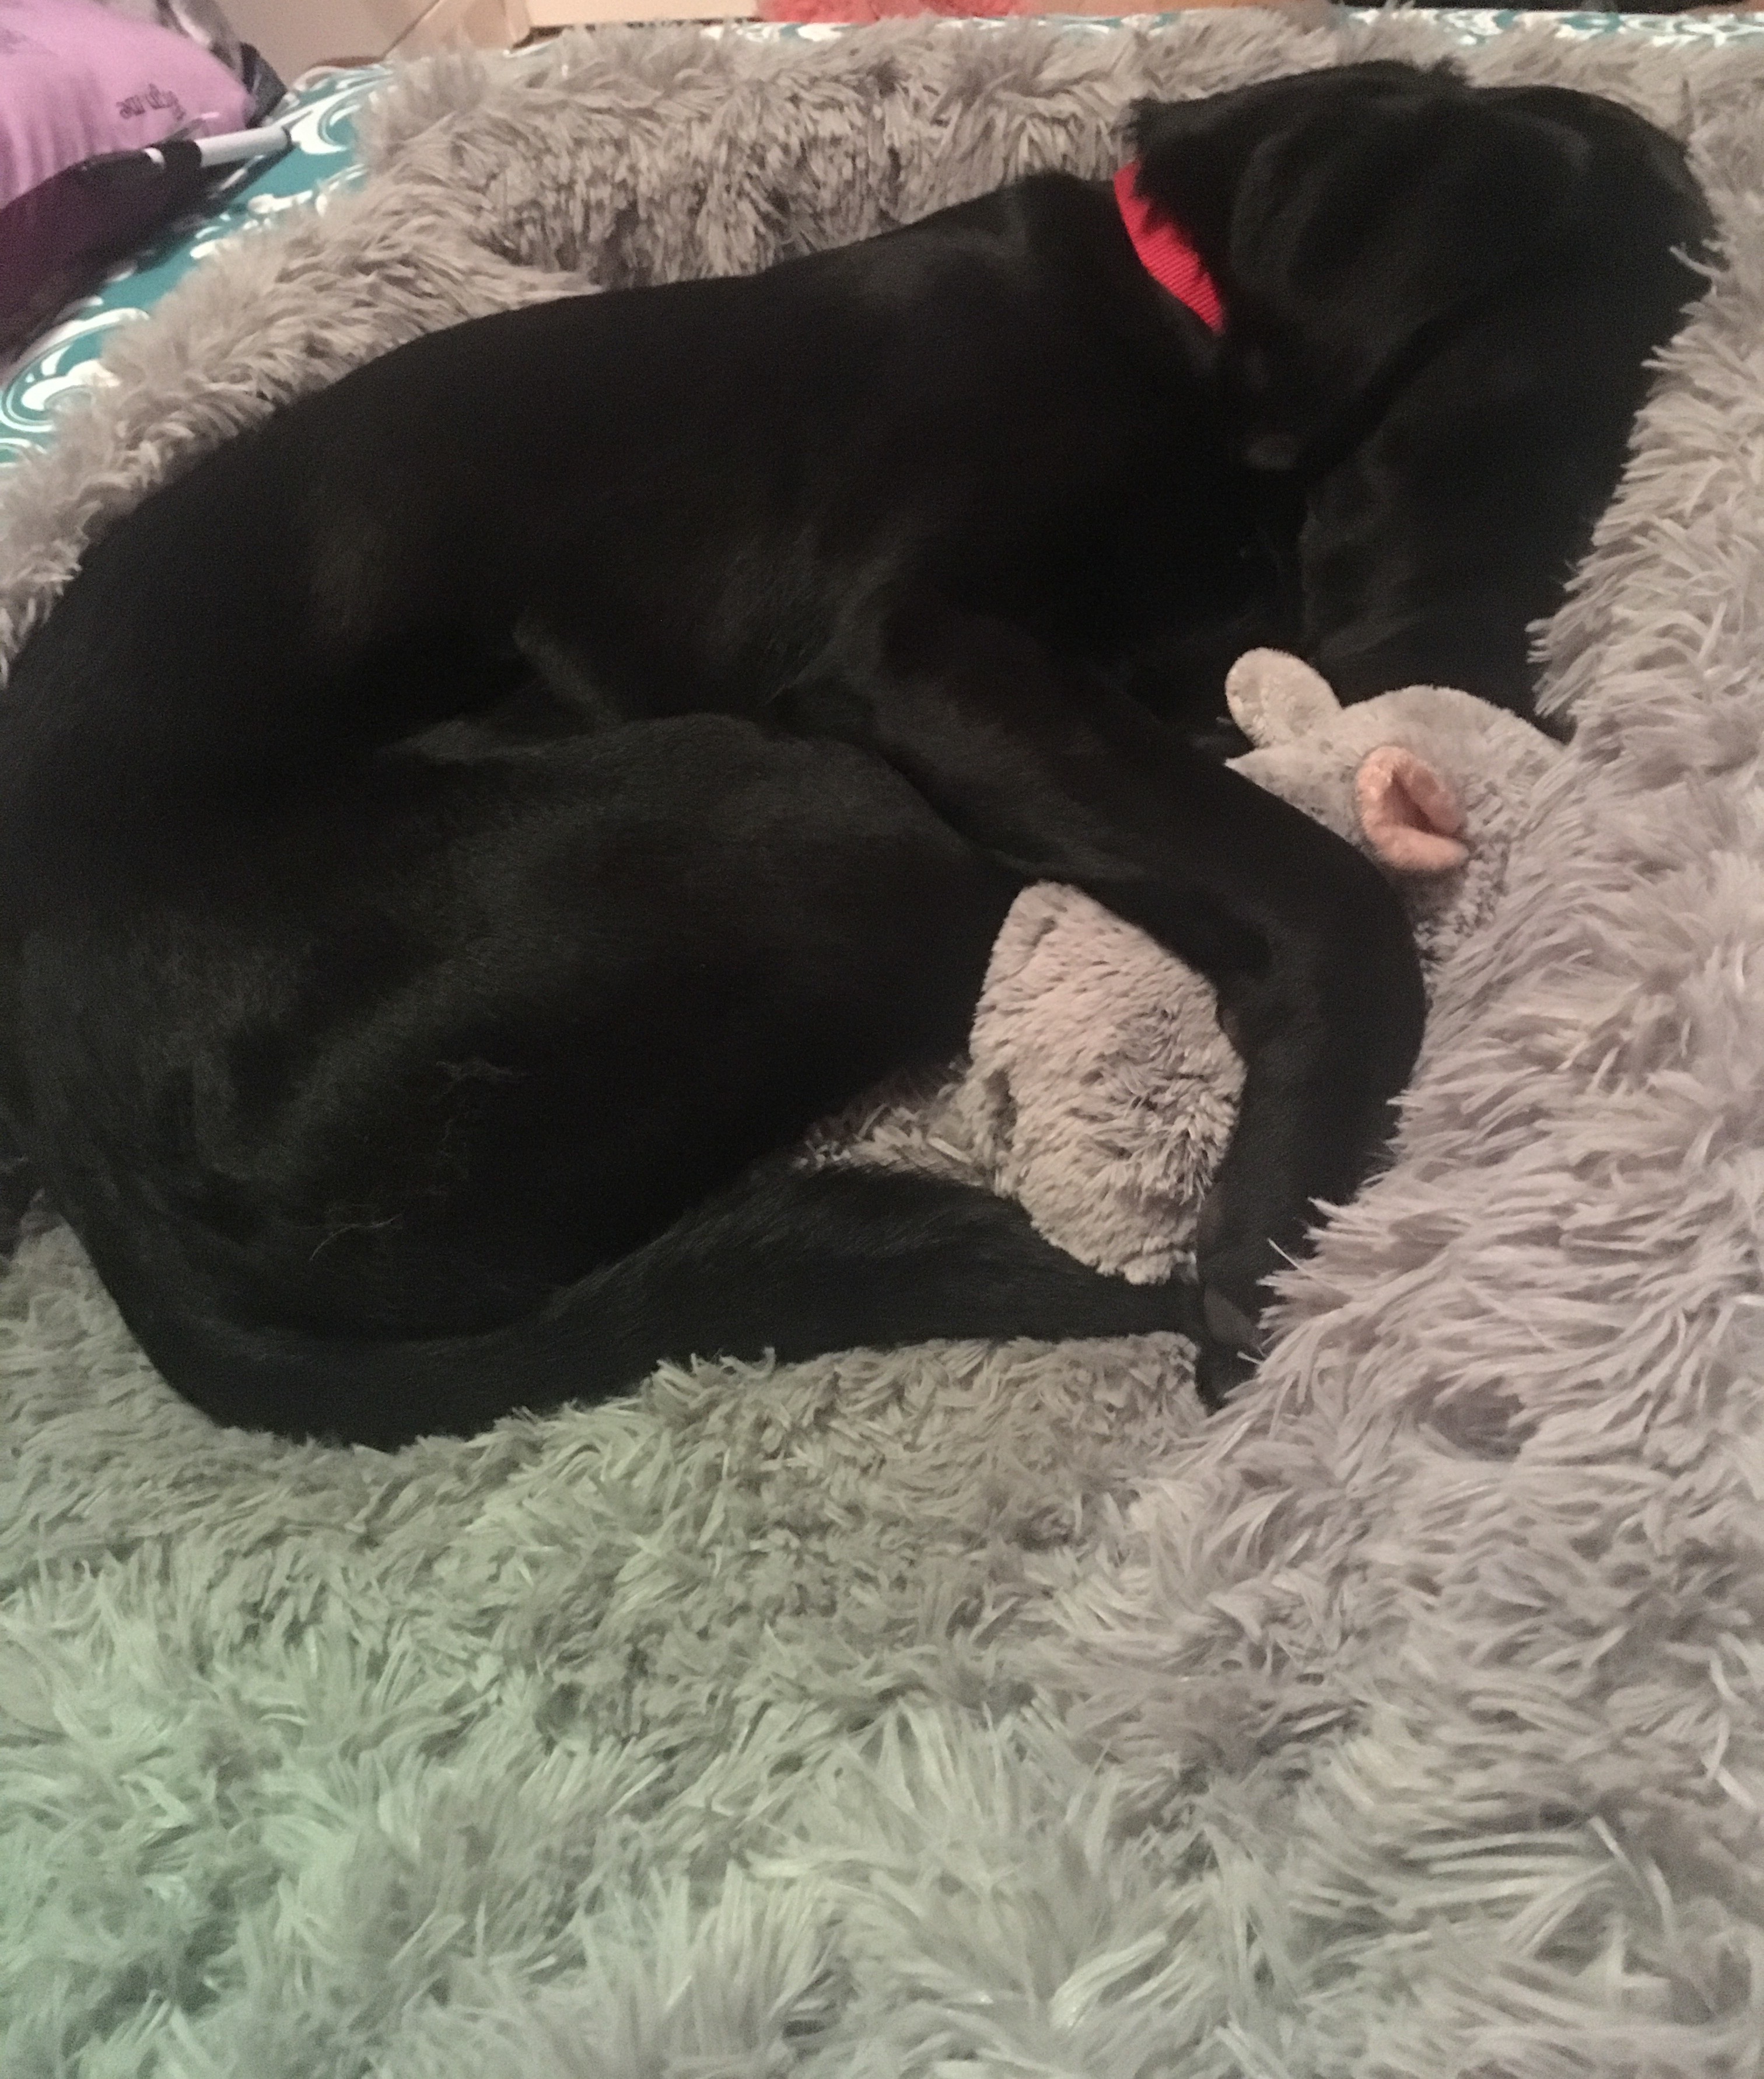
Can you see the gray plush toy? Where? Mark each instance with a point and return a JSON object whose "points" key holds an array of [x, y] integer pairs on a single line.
{"points": [[1101, 1092]]}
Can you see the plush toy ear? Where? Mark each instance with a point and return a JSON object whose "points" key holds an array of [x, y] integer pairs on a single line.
{"points": [[1411, 817], [1274, 697]]}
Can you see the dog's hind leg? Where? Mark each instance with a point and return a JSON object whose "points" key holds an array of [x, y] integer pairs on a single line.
{"points": [[1317, 977], [791, 1262], [18, 1189], [801, 1261]]}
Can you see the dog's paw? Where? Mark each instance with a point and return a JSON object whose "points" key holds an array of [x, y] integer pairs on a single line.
{"points": [[1219, 1369], [1231, 1294], [1227, 1351]]}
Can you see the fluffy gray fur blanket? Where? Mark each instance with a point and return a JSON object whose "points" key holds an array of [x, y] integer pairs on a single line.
{"points": [[974, 1711]]}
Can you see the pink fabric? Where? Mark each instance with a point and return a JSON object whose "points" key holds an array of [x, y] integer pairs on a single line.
{"points": [[76, 79], [1411, 818], [1165, 254]]}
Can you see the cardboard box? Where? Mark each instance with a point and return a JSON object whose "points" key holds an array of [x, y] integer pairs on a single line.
{"points": [[567, 13], [338, 31], [323, 31]]}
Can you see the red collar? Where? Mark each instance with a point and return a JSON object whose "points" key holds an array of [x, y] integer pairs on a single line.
{"points": [[1165, 254]]}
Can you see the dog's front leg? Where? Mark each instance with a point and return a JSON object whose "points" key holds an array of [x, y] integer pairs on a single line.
{"points": [[1319, 983]]}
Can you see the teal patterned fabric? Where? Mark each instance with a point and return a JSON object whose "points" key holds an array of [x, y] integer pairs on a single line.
{"points": [[322, 164], [321, 120]]}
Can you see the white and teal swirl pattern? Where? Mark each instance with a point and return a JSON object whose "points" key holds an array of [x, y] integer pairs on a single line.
{"points": [[321, 117], [323, 164]]}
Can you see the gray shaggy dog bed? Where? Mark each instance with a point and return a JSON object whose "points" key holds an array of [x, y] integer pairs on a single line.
{"points": [[974, 1710]]}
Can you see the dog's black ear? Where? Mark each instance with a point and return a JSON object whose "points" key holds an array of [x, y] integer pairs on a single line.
{"points": [[1347, 216], [1193, 154]]}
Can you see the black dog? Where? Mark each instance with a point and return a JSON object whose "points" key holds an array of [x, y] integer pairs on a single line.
{"points": [[458, 834]]}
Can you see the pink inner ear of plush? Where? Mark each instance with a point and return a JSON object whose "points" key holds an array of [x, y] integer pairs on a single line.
{"points": [[1411, 818]]}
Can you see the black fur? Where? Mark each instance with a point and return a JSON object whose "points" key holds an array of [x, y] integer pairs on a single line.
{"points": [[454, 838], [1441, 324]]}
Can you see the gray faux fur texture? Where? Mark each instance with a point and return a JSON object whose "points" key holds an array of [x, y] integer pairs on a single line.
{"points": [[1099, 1091], [975, 1711]]}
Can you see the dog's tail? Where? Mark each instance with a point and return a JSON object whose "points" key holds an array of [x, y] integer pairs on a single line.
{"points": [[792, 1261]]}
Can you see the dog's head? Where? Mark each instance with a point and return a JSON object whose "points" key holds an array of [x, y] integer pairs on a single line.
{"points": [[1351, 215]]}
